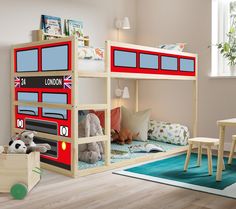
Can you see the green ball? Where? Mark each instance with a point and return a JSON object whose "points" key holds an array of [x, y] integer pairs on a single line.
{"points": [[19, 191]]}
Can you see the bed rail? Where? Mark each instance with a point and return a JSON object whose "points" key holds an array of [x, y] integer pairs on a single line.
{"points": [[141, 62]]}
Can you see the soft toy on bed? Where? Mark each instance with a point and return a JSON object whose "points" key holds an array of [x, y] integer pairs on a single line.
{"points": [[17, 147], [125, 136], [28, 138], [94, 151]]}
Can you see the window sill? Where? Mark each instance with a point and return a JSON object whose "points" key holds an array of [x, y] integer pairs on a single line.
{"points": [[222, 76]]}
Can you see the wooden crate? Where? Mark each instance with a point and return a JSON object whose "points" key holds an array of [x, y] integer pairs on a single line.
{"points": [[19, 168]]}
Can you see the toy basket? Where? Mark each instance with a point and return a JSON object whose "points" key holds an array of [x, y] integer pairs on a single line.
{"points": [[19, 173]]}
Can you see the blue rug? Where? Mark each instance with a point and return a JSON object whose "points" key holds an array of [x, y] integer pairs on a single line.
{"points": [[170, 171]]}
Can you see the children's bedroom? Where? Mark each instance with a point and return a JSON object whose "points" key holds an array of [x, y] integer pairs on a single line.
{"points": [[118, 104]]}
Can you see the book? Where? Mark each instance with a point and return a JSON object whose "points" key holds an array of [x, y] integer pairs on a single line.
{"points": [[119, 154], [146, 148], [51, 25], [75, 28]]}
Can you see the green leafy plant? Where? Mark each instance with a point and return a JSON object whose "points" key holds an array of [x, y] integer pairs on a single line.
{"points": [[228, 48]]}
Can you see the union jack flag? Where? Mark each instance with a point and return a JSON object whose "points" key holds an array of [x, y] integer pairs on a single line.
{"points": [[17, 82], [67, 82]]}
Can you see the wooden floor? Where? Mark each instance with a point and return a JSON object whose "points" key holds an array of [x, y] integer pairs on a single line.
{"points": [[110, 191]]}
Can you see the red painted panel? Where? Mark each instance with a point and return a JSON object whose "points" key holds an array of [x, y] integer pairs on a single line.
{"points": [[159, 71], [39, 47], [64, 153]]}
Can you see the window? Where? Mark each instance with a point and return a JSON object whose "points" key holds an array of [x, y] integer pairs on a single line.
{"points": [[54, 98], [124, 59], [27, 97], [223, 17], [186, 65], [27, 61], [149, 61], [169, 63], [55, 58]]}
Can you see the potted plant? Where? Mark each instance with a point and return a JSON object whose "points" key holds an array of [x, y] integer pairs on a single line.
{"points": [[228, 48]]}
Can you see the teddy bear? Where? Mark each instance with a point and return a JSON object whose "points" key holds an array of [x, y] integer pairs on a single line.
{"points": [[17, 147], [28, 138], [94, 151], [124, 136]]}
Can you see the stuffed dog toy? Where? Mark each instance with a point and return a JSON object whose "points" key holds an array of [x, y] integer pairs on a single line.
{"points": [[28, 138], [125, 136]]}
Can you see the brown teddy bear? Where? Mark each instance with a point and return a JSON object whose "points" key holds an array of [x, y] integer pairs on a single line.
{"points": [[124, 136]]}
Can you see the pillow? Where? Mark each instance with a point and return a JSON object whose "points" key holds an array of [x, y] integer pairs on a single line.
{"points": [[176, 47], [172, 133], [115, 118], [90, 53], [136, 122]]}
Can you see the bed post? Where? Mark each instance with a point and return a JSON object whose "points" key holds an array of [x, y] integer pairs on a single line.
{"points": [[136, 95], [13, 117], [195, 99], [108, 101], [74, 119]]}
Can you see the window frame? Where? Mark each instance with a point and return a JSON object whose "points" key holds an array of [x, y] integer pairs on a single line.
{"points": [[220, 26]]}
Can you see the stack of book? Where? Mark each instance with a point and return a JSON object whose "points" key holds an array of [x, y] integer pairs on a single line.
{"points": [[52, 28]]}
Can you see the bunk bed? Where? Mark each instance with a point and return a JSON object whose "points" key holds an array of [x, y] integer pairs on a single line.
{"points": [[45, 95]]}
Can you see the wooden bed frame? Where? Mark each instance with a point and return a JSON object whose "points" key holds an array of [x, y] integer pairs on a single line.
{"points": [[66, 143]]}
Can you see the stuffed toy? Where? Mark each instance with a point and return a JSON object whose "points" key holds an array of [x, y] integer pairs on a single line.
{"points": [[94, 151], [28, 138], [1, 149], [17, 147], [124, 136]]}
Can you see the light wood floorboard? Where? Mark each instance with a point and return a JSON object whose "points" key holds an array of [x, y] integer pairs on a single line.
{"points": [[110, 191]]}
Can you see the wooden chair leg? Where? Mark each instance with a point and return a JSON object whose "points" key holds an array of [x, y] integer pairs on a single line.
{"points": [[199, 156], [188, 157], [223, 164], [232, 152], [209, 155]]}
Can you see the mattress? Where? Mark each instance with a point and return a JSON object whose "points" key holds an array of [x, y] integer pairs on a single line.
{"points": [[91, 65], [125, 148]]}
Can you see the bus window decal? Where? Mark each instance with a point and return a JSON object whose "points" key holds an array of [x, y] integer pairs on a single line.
{"points": [[25, 110], [51, 113], [27, 61]]}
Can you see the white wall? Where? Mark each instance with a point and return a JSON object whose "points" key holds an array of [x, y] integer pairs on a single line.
{"points": [[156, 22], [189, 21], [19, 18]]}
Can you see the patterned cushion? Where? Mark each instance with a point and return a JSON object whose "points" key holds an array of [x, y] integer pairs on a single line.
{"points": [[172, 133]]}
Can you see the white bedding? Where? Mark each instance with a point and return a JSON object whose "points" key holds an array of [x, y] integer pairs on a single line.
{"points": [[91, 65], [91, 59]]}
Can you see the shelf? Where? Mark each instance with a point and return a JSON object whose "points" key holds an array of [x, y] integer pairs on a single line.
{"points": [[48, 136], [92, 107], [63, 36], [143, 76], [87, 74], [42, 104], [85, 140], [36, 74], [54, 35]]}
